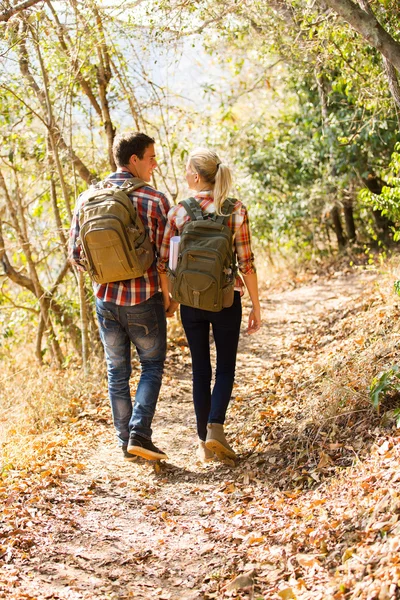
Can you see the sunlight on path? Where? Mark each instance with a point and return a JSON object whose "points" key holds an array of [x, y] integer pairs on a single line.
{"points": [[176, 530]]}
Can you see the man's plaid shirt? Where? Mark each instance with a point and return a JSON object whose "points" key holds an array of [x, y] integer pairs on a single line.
{"points": [[238, 222], [152, 207]]}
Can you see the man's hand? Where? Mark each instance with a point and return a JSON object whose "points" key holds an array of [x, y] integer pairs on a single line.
{"points": [[170, 311]]}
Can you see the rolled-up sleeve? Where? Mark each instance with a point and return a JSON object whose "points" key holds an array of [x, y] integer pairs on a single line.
{"points": [[169, 231], [160, 223], [242, 244]]}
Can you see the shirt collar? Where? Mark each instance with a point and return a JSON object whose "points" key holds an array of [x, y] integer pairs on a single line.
{"points": [[120, 175]]}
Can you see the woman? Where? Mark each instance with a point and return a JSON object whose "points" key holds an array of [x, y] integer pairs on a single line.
{"points": [[210, 181]]}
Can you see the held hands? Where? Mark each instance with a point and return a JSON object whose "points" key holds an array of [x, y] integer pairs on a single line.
{"points": [[171, 308], [254, 320]]}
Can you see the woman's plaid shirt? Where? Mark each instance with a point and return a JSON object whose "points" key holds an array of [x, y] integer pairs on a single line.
{"points": [[152, 207], [238, 222]]}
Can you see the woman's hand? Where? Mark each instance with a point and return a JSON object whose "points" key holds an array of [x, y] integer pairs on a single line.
{"points": [[173, 305], [254, 320]]}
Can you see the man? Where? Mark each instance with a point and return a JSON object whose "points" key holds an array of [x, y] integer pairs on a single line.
{"points": [[133, 311]]}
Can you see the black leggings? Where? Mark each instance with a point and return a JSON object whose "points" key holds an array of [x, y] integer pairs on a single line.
{"points": [[211, 407]]}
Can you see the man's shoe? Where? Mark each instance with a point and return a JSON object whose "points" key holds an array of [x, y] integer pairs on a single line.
{"points": [[203, 453], [140, 446], [216, 442], [127, 456]]}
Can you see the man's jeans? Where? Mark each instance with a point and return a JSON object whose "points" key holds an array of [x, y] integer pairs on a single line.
{"points": [[145, 326]]}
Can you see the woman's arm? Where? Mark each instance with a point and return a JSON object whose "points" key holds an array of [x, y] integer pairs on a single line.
{"points": [[251, 284], [247, 269]]}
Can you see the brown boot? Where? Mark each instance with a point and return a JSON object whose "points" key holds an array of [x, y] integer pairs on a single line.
{"points": [[216, 441], [203, 453]]}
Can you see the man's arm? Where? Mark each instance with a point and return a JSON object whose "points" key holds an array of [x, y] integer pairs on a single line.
{"points": [[160, 227], [74, 250]]}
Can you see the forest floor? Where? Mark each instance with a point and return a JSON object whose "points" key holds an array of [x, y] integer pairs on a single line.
{"points": [[309, 511]]}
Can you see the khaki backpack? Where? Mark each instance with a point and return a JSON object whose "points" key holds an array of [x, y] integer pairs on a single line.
{"points": [[206, 269], [115, 244]]}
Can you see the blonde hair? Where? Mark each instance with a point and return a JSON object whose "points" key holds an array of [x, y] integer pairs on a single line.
{"points": [[208, 165]]}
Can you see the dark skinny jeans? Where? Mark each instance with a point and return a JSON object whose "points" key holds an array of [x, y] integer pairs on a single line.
{"points": [[211, 406]]}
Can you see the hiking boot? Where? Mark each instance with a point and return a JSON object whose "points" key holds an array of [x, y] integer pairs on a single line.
{"points": [[127, 456], [216, 441], [140, 446], [203, 453]]}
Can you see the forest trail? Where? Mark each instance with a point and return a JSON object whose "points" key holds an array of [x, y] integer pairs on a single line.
{"points": [[181, 530]]}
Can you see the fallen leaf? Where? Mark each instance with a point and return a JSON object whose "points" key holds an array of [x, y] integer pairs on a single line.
{"points": [[307, 560], [241, 581], [287, 594]]}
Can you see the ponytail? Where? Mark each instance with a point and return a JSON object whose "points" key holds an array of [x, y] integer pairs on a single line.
{"points": [[207, 164]]}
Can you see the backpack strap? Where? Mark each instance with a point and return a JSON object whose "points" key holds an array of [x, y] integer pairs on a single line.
{"points": [[132, 184], [226, 209], [129, 186], [193, 209]]}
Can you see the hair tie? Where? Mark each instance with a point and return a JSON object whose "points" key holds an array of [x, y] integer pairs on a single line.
{"points": [[218, 165]]}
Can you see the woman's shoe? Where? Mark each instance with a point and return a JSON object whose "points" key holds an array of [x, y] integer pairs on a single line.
{"points": [[203, 453], [216, 442]]}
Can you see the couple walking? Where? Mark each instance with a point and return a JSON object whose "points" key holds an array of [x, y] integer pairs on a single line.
{"points": [[134, 311]]}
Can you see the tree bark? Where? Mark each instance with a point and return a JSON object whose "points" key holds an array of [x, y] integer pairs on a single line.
{"points": [[84, 323], [337, 225], [368, 27], [389, 68], [349, 221], [7, 14]]}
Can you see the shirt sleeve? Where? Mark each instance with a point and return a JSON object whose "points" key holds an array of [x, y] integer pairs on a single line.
{"points": [[170, 230], [242, 245], [160, 222]]}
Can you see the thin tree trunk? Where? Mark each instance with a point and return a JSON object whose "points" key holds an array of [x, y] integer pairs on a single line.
{"points": [[349, 221], [39, 338], [104, 78], [337, 225], [84, 323], [41, 96], [18, 219], [63, 35]]}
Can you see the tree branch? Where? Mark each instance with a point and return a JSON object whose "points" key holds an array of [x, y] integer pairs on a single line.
{"points": [[368, 27], [7, 14]]}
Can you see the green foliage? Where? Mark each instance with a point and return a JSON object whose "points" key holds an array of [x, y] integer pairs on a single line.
{"points": [[388, 201], [385, 382]]}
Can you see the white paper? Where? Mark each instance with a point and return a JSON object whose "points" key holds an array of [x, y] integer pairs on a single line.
{"points": [[173, 252]]}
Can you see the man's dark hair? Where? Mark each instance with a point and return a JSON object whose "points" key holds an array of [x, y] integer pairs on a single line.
{"points": [[126, 144]]}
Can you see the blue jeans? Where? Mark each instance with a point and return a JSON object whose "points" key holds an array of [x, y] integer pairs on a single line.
{"points": [[211, 407], [143, 325]]}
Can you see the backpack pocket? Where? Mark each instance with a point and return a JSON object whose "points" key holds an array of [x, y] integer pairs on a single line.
{"points": [[108, 253], [228, 295], [199, 290]]}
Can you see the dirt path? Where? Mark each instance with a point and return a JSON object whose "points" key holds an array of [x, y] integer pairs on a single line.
{"points": [[180, 530]]}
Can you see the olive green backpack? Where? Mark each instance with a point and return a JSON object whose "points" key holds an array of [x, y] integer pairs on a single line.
{"points": [[205, 273], [115, 244]]}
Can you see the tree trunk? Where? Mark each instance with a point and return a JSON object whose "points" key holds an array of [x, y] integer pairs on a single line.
{"points": [[349, 221], [84, 323], [337, 225], [368, 27]]}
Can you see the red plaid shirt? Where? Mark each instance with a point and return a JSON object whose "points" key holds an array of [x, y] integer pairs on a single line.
{"points": [[152, 207], [238, 222]]}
